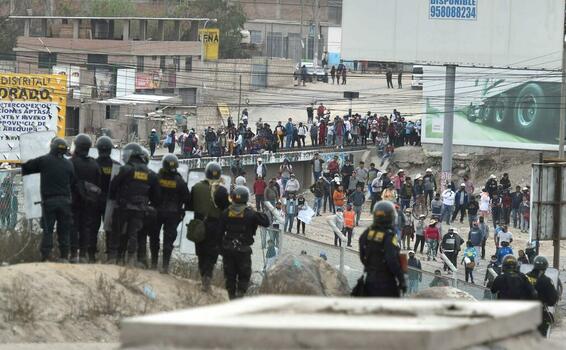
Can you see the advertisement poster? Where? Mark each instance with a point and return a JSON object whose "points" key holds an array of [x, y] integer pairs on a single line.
{"points": [[495, 107], [73, 74], [148, 80], [29, 103]]}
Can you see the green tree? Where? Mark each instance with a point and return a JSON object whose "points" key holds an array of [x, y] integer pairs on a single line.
{"points": [[8, 35], [231, 19], [109, 8]]}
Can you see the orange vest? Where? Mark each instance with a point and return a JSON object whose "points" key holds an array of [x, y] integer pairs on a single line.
{"points": [[338, 198], [349, 217]]}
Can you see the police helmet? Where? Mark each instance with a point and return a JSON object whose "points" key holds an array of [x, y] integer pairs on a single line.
{"points": [[170, 163], [104, 146], [145, 157], [132, 151], [240, 195], [540, 263], [384, 213], [59, 146], [213, 171], [509, 263], [83, 143]]}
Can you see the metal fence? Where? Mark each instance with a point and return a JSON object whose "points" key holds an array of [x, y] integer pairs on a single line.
{"points": [[11, 199]]}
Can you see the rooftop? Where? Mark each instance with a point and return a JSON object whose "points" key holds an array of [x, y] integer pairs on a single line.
{"points": [[118, 18]]}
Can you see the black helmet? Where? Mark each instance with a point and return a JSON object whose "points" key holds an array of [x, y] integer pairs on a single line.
{"points": [[170, 163], [540, 263], [59, 146], [213, 171], [104, 146], [240, 195], [509, 263], [384, 213], [145, 157], [83, 143], [132, 151]]}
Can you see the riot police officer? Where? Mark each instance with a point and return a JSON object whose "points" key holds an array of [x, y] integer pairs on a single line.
{"points": [[86, 196], [512, 284], [208, 199], [133, 188], [238, 225], [170, 212], [546, 292], [379, 252], [57, 179], [104, 146]]}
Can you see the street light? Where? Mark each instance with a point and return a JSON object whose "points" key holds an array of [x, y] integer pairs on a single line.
{"points": [[202, 37]]}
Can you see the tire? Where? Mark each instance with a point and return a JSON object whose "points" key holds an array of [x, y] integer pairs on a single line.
{"points": [[499, 111], [529, 114]]}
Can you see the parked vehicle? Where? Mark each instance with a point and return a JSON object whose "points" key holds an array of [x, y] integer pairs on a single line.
{"points": [[417, 78]]}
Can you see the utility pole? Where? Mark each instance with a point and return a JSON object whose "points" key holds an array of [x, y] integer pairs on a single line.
{"points": [[448, 132], [302, 45], [316, 14], [240, 101], [562, 125]]}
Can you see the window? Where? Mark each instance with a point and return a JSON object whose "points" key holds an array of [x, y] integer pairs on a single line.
{"points": [[188, 63], [139, 66], [112, 112], [177, 63], [162, 62], [46, 60], [256, 37], [94, 61]]}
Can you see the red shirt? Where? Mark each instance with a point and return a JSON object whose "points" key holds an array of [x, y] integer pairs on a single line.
{"points": [[259, 187], [432, 233]]}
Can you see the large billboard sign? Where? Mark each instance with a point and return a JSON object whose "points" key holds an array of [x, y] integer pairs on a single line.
{"points": [[211, 39], [29, 103], [482, 33], [495, 107]]}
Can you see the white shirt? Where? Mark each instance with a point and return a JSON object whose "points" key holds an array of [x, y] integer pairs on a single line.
{"points": [[505, 237], [258, 169], [448, 197]]}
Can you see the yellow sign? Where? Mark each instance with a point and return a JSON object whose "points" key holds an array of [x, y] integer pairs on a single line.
{"points": [[30, 103], [224, 110], [211, 40]]}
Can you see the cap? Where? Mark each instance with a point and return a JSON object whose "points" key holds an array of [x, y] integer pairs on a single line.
{"points": [[462, 185], [422, 216], [418, 176], [411, 252], [153, 130], [432, 222], [429, 170], [492, 176], [259, 160], [400, 171]]}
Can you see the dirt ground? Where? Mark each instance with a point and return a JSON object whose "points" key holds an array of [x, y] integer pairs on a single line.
{"points": [[64, 303]]}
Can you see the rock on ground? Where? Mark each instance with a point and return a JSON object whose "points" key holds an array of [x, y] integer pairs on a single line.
{"points": [[303, 275], [443, 293], [48, 303]]}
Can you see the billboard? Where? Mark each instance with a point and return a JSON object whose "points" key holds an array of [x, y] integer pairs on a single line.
{"points": [[495, 107], [73, 74], [488, 33], [211, 39], [30, 103]]}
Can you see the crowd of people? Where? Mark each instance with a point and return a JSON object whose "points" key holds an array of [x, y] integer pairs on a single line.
{"points": [[321, 129]]}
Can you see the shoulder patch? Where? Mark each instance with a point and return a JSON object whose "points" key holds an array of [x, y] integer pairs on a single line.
{"points": [[141, 175], [106, 170], [395, 241], [234, 214]]}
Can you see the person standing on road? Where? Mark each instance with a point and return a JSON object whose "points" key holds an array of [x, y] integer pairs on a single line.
{"points": [[469, 261], [285, 170], [512, 284], [289, 130], [358, 198], [344, 74], [451, 243], [516, 199], [209, 198], [237, 226], [400, 79], [491, 185], [302, 134], [461, 200], [379, 253], [546, 292], [317, 189], [293, 186], [314, 134], [406, 193], [339, 197], [333, 73], [496, 209], [291, 211], [56, 181], [304, 74], [415, 273], [429, 184], [448, 198], [259, 188], [389, 78], [476, 237], [419, 234], [153, 142], [349, 223], [86, 196], [339, 222], [432, 237], [473, 207], [327, 198]]}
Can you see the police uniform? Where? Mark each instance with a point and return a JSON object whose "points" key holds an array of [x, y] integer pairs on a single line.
{"points": [[379, 252], [512, 284], [57, 177], [170, 212], [238, 225], [546, 293], [106, 164], [86, 196], [208, 200], [133, 188]]}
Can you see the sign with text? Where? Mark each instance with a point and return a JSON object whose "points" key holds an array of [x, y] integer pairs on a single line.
{"points": [[30, 103], [211, 40], [453, 9]]}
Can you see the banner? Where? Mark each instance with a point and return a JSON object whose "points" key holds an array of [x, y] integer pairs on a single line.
{"points": [[148, 80], [73, 74], [30, 103], [495, 107], [211, 39]]}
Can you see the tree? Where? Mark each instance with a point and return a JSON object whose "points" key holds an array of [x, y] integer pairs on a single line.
{"points": [[8, 35], [231, 19], [109, 8]]}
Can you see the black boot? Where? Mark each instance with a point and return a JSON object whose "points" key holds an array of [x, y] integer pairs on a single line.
{"points": [[74, 258]]}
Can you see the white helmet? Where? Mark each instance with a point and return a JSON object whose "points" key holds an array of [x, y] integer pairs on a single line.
{"points": [[429, 170]]}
